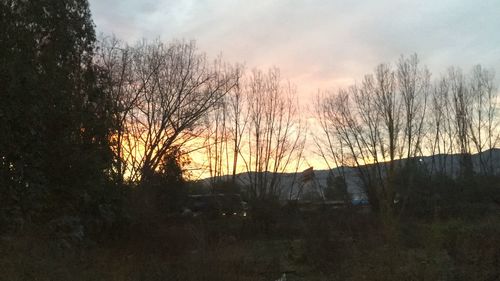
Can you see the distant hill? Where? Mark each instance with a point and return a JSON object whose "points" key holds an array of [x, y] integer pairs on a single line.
{"points": [[292, 186]]}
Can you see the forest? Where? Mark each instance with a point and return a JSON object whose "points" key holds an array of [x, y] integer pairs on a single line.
{"points": [[98, 138]]}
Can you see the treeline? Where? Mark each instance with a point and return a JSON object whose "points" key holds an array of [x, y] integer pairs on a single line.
{"points": [[95, 131], [171, 99], [386, 123], [92, 129]]}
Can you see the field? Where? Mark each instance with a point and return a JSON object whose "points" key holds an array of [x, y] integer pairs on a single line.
{"points": [[342, 244]]}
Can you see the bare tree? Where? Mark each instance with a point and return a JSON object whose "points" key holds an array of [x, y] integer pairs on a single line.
{"points": [[347, 142], [461, 101], [440, 137], [117, 61], [216, 141], [238, 118], [374, 124], [225, 125], [481, 121], [163, 91], [275, 135], [414, 86]]}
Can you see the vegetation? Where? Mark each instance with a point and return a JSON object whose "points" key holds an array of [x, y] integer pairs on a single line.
{"points": [[56, 126], [97, 134]]}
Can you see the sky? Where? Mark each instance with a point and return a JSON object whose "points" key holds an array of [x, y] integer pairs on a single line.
{"points": [[316, 44]]}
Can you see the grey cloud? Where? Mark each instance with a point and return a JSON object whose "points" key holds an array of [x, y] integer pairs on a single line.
{"points": [[317, 42]]}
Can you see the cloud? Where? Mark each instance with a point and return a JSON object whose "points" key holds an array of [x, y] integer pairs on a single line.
{"points": [[323, 43]]}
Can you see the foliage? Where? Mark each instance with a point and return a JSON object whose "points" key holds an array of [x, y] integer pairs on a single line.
{"points": [[163, 191], [429, 196], [226, 187], [336, 188], [55, 125]]}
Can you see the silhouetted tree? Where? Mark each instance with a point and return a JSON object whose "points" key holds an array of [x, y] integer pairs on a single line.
{"points": [[275, 134], [162, 190], [336, 189], [54, 118], [162, 92]]}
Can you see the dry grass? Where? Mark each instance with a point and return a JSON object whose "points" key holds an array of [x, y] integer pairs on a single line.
{"points": [[332, 247], [180, 252]]}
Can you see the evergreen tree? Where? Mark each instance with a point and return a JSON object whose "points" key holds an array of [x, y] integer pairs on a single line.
{"points": [[54, 119]]}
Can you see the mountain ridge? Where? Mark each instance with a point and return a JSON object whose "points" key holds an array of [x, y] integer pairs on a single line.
{"points": [[291, 184]]}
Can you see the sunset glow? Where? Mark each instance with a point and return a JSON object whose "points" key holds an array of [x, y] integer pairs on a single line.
{"points": [[327, 46]]}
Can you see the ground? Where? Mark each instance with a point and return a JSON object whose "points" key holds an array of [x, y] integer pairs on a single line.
{"points": [[338, 245]]}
